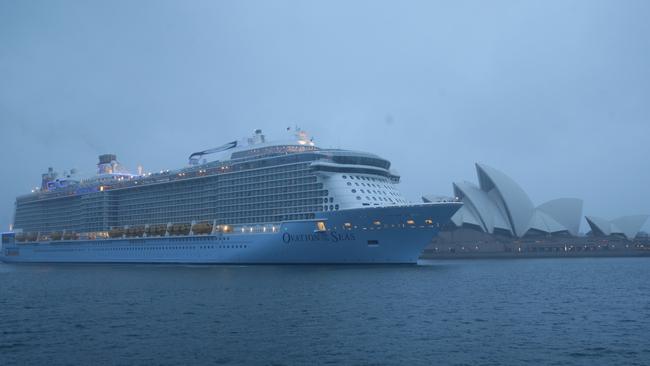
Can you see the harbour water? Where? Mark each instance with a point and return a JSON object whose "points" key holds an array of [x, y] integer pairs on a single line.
{"points": [[578, 311]]}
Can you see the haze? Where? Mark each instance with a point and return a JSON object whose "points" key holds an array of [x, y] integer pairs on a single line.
{"points": [[554, 93]]}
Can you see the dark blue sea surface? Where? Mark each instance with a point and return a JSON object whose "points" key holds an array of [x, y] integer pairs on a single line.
{"points": [[482, 312]]}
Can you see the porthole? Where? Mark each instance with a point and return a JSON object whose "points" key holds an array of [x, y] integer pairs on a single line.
{"points": [[345, 177], [354, 190]]}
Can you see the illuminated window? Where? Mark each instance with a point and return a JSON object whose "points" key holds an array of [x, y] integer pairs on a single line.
{"points": [[347, 225], [376, 222], [320, 226], [428, 222], [410, 222]]}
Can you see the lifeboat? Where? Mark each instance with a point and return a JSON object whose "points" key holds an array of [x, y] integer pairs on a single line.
{"points": [[20, 237], [180, 229], [57, 235], [31, 237], [70, 235], [135, 231], [202, 228], [156, 230], [116, 232]]}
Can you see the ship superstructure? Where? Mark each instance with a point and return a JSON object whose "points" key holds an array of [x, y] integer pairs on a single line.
{"points": [[257, 187]]}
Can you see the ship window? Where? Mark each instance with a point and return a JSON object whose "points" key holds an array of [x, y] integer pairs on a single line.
{"points": [[354, 190], [345, 177], [428, 222], [320, 226], [331, 199], [336, 207], [358, 197], [349, 183], [376, 222], [410, 222], [347, 225], [331, 207]]}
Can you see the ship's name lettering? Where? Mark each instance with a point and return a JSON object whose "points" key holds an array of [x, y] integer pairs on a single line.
{"points": [[332, 236]]}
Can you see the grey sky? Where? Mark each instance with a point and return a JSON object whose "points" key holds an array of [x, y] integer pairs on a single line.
{"points": [[554, 93]]}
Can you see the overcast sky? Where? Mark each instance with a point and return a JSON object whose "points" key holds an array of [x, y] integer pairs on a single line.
{"points": [[554, 93]]}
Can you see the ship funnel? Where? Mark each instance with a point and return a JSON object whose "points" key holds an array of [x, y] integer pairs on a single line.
{"points": [[107, 164]]}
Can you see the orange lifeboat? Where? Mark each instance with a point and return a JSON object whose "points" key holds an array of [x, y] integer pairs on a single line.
{"points": [[202, 228], [70, 235], [116, 232], [156, 230]]}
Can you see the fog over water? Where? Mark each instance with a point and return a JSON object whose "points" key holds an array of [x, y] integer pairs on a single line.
{"points": [[554, 93]]}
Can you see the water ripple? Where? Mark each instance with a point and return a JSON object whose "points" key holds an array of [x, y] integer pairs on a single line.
{"points": [[554, 312]]}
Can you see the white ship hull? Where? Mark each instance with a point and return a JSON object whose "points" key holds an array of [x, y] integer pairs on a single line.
{"points": [[374, 235]]}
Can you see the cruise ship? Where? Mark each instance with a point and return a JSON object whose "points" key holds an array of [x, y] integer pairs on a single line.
{"points": [[254, 202]]}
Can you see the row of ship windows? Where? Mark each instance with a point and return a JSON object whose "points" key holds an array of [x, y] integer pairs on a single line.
{"points": [[374, 191], [124, 249], [372, 179], [232, 246], [371, 185], [215, 211], [235, 204], [286, 206], [238, 220], [383, 199], [193, 239]]}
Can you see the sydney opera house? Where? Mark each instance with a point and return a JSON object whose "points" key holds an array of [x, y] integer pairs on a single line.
{"points": [[498, 216]]}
